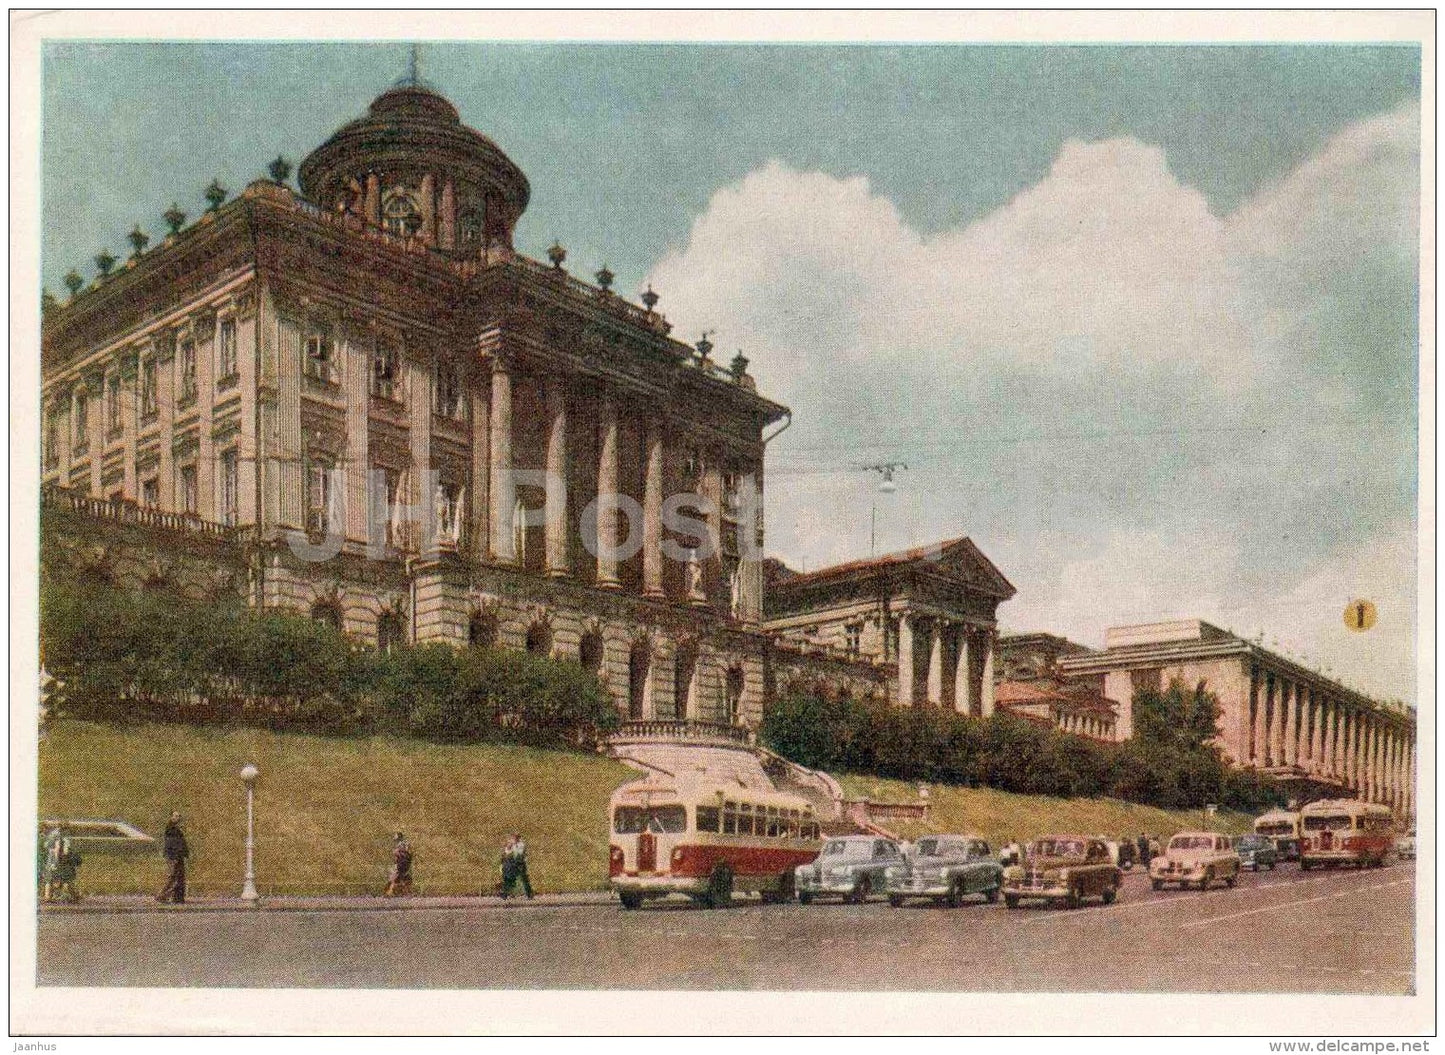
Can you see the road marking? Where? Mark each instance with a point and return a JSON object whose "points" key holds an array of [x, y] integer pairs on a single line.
{"points": [[1287, 905]]}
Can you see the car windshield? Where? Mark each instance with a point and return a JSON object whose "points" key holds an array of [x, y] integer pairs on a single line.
{"points": [[941, 848], [1334, 823], [630, 820], [1192, 842], [1253, 842], [843, 848], [1056, 848]]}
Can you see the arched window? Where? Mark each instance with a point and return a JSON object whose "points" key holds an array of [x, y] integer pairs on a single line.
{"points": [[482, 630], [684, 674], [734, 699], [539, 639], [589, 652], [401, 215], [328, 612], [389, 631], [469, 226]]}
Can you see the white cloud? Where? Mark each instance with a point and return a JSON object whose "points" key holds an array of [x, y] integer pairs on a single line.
{"points": [[1135, 405]]}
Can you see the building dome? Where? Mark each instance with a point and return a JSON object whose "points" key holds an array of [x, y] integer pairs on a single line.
{"points": [[410, 166]]}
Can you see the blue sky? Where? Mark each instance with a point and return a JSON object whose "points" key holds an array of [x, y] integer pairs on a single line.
{"points": [[1141, 320]]}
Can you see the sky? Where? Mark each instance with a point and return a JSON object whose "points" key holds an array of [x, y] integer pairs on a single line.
{"points": [[1141, 321]]}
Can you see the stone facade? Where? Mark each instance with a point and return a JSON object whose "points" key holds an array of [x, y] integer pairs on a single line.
{"points": [[392, 420], [1314, 735], [1031, 686]]}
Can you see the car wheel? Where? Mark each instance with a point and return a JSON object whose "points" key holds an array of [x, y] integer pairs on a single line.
{"points": [[1157, 884], [1073, 900], [1231, 880], [804, 898], [1110, 893], [895, 901], [1208, 879], [630, 900], [720, 887], [955, 895], [991, 895], [1304, 865], [1011, 900], [1272, 864]]}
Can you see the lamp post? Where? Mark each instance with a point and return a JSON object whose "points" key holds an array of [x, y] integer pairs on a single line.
{"points": [[249, 773], [886, 486]]}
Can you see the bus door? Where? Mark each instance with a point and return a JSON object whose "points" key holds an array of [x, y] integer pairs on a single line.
{"points": [[646, 850]]}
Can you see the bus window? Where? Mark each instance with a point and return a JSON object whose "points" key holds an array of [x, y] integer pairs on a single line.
{"points": [[745, 819], [772, 828], [630, 820], [1335, 823], [707, 818], [730, 818]]}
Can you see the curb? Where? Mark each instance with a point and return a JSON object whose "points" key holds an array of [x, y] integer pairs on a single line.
{"points": [[103, 905]]}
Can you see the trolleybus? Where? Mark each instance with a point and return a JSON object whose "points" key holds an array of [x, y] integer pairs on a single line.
{"points": [[707, 840], [1282, 829], [1339, 831]]}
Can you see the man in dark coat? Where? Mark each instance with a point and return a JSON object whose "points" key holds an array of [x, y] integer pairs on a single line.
{"points": [[1143, 845], [176, 851]]}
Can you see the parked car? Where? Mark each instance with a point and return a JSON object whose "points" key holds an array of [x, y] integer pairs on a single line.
{"points": [[946, 868], [1063, 868], [1405, 847], [1256, 852], [1195, 857], [852, 868]]}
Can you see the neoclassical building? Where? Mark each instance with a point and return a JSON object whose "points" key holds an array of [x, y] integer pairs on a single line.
{"points": [[920, 625], [386, 416], [1314, 735]]}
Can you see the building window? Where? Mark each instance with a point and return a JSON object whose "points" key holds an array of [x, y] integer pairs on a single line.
{"points": [[52, 441], [327, 612], [400, 214], [148, 389], [385, 368], [732, 494], [482, 630], [226, 351], [82, 422], [448, 392], [187, 355], [469, 226], [853, 638], [318, 494], [150, 493], [188, 489], [321, 354], [112, 406], [230, 489], [449, 513]]}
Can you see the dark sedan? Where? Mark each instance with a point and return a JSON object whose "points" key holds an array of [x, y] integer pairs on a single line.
{"points": [[1256, 852]]}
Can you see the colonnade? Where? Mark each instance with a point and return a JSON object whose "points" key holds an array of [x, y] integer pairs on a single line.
{"points": [[950, 646]]}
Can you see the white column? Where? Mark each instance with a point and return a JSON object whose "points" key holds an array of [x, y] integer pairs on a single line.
{"points": [[986, 690], [423, 492], [503, 493], [652, 513], [1289, 696], [480, 499], [962, 686], [935, 662], [607, 487], [558, 560], [905, 660]]}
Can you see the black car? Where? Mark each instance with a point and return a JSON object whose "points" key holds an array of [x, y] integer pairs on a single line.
{"points": [[1256, 852]]}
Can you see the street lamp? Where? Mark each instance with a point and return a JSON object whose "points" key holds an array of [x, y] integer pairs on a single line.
{"points": [[249, 773], [886, 486]]}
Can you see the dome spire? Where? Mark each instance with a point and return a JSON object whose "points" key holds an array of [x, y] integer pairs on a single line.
{"points": [[413, 70]]}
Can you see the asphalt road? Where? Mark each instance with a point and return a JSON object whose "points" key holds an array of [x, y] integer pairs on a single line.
{"points": [[1286, 931]]}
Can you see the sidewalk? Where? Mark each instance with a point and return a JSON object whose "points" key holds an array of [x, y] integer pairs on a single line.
{"points": [[120, 903]]}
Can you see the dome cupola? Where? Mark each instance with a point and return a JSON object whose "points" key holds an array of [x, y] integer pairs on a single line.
{"points": [[412, 168]]}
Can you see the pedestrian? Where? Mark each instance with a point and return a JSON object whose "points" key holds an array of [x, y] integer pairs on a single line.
{"points": [[514, 866], [173, 845], [64, 868], [401, 862], [49, 860], [1144, 849]]}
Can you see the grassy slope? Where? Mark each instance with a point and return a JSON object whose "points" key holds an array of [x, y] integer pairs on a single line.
{"points": [[326, 808], [999, 815]]}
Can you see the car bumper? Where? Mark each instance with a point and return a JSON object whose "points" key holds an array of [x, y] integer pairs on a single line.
{"points": [[658, 885], [825, 885], [1041, 891], [1192, 875], [916, 887]]}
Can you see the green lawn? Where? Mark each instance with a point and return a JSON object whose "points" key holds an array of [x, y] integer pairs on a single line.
{"points": [[1000, 815], [326, 808]]}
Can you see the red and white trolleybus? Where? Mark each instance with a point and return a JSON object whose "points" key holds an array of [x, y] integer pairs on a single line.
{"points": [[706, 839], [1337, 831]]}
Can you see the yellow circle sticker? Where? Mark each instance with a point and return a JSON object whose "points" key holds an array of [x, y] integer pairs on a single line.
{"points": [[1360, 615]]}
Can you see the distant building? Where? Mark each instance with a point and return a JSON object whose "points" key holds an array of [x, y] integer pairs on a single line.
{"points": [[925, 619], [1031, 686], [1312, 734]]}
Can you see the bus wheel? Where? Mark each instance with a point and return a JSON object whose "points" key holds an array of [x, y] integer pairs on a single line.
{"points": [[720, 887], [1305, 866], [630, 900]]}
